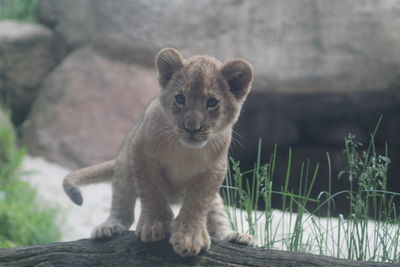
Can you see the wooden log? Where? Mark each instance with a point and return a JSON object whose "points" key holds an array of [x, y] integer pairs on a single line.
{"points": [[127, 250]]}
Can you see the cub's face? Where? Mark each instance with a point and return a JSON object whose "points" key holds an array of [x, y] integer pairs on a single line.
{"points": [[201, 96]]}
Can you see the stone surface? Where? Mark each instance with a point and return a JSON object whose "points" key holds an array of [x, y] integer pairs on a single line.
{"points": [[319, 65], [295, 46], [309, 56], [27, 54], [86, 107], [323, 68]]}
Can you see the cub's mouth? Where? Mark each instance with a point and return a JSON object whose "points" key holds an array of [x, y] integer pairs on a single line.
{"points": [[192, 142], [192, 139]]}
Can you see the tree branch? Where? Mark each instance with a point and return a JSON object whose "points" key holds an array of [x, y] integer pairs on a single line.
{"points": [[127, 250]]}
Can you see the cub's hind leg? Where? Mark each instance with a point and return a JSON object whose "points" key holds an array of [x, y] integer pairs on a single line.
{"points": [[218, 225], [123, 201]]}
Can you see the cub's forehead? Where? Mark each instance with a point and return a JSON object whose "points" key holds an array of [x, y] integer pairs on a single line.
{"points": [[202, 75]]}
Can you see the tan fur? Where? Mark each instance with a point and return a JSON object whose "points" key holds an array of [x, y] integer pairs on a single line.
{"points": [[176, 153]]}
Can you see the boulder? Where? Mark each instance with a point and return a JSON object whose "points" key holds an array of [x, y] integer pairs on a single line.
{"points": [[86, 107], [308, 46], [27, 54], [323, 69]]}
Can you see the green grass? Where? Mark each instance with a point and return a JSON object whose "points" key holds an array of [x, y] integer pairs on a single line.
{"points": [[356, 236], [22, 220], [23, 10]]}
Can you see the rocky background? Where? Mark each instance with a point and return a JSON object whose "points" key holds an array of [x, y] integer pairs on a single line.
{"points": [[79, 78]]}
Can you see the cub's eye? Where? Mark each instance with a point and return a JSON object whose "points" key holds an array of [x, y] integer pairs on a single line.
{"points": [[180, 99], [212, 102]]}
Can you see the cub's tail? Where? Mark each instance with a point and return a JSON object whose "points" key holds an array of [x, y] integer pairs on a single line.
{"points": [[94, 174]]}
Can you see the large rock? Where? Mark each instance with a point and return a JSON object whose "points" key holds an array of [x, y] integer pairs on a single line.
{"points": [[86, 107], [295, 46], [315, 60], [27, 54], [323, 68]]}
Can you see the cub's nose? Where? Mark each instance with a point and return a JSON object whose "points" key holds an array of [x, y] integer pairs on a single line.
{"points": [[192, 122], [192, 130]]}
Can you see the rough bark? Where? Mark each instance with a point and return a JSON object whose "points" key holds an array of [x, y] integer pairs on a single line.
{"points": [[127, 250]]}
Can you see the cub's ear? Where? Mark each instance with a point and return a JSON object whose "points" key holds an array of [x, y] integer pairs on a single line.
{"points": [[239, 75], [168, 61]]}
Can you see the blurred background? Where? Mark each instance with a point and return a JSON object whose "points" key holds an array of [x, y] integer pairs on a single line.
{"points": [[78, 74]]}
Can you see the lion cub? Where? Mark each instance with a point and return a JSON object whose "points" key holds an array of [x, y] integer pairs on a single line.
{"points": [[176, 153]]}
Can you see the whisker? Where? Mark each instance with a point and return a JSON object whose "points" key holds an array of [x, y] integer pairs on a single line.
{"points": [[165, 135], [217, 143], [236, 141], [235, 132], [213, 144]]}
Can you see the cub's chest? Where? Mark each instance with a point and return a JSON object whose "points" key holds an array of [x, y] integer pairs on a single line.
{"points": [[180, 166]]}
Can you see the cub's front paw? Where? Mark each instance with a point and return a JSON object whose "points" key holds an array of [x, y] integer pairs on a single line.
{"points": [[241, 239], [151, 230], [108, 229], [190, 241]]}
